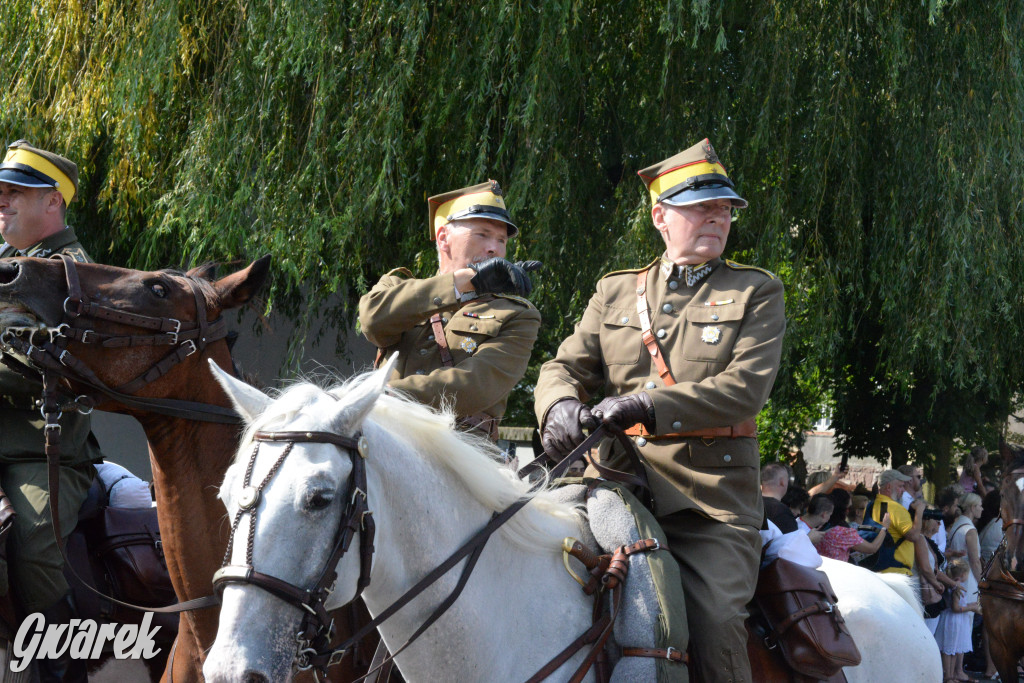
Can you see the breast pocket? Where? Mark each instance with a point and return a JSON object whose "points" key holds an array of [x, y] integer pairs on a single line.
{"points": [[466, 334], [711, 332], [621, 341]]}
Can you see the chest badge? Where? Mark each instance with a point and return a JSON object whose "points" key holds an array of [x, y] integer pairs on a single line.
{"points": [[468, 345], [711, 335]]}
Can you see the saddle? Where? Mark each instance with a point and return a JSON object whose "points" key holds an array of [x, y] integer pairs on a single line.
{"points": [[118, 552]]}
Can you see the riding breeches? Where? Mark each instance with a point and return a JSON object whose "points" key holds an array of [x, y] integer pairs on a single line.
{"points": [[36, 568], [718, 563]]}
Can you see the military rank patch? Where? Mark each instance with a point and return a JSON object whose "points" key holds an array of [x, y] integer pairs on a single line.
{"points": [[711, 335], [468, 345]]}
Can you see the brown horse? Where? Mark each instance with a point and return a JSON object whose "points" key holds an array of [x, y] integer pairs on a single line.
{"points": [[188, 456], [1002, 586]]}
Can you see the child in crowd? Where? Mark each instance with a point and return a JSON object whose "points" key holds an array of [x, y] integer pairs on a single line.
{"points": [[953, 632]]}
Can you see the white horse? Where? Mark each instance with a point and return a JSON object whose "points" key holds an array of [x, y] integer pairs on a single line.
{"points": [[430, 489]]}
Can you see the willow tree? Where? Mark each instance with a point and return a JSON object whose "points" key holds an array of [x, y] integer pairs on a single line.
{"points": [[877, 142]]}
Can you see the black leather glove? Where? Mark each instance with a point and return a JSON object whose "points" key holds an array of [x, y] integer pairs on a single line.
{"points": [[563, 426], [621, 412], [498, 276]]}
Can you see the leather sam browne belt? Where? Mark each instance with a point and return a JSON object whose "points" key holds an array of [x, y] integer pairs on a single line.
{"points": [[745, 428]]}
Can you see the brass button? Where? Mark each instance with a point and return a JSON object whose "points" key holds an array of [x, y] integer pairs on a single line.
{"points": [[650, 385], [667, 308], [661, 334], [437, 301], [673, 285], [677, 425]]}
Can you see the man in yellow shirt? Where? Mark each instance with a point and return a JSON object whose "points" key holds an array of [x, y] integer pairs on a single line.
{"points": [[897, 555]]}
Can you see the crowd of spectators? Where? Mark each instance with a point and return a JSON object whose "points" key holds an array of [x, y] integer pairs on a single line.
{"points": [[892, 528]]}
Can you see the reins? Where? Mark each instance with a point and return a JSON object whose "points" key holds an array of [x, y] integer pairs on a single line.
{"points": [[1004, 584]]}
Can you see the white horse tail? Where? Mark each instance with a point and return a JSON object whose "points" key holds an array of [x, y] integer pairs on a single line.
{"points": [[907, 587]]}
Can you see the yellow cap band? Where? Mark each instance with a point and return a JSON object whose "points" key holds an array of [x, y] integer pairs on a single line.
{"points": [[454, 206], [43, 165], [678, 175]]}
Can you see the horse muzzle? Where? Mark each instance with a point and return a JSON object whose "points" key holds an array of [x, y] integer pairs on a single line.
{"points": [[26, 292]]}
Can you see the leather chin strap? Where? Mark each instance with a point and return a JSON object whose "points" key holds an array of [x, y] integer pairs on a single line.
{"points": [[317, 628]]}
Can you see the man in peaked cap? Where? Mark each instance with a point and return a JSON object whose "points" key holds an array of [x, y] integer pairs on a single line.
{"points": [[685, 350], [36, 187], [464, 336]]}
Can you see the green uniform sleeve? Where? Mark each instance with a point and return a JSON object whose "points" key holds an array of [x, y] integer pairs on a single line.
{"points": [[396, 304]]}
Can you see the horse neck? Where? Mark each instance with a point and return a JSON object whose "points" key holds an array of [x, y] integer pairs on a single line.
{"points": [[189, 459], [423, 513]]}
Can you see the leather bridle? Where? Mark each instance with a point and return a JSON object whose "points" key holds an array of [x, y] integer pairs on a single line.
{"points": [[317, 628], [1005, 583], [184, 339]]}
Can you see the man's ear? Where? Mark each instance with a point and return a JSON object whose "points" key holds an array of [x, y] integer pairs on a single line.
{"points": [[55, 202], [658, 217]]}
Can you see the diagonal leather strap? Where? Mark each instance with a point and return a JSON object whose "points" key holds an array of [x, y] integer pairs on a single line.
{"points": [[441, 340], [650, 341]]}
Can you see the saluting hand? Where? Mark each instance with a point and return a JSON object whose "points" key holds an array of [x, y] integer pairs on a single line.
{"points": [[498, 276], [563, 426]]}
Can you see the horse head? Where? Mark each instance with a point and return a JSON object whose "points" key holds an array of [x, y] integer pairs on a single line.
{"points": [[125, 330], [1011, 492], [297, 503]]}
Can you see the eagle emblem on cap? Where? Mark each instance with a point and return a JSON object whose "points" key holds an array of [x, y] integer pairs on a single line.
{"points": [[495, 188], [709, 153]]}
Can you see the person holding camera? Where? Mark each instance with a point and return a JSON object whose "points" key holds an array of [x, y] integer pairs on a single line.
{"points": [[905, 545], [463, 336]]}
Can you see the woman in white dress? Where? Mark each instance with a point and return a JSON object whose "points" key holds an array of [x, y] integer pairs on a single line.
{"points": [[954, 634]]}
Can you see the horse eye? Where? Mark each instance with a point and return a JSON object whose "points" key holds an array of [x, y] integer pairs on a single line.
{"points": [[159, 290], [318, 501]]}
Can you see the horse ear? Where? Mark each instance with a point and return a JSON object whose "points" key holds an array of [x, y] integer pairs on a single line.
{"points": [[238, 288], [359, 401], [207, 271], [248, 400]]}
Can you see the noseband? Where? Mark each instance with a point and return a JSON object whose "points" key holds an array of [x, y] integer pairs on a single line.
{"points": [[317, 628]]}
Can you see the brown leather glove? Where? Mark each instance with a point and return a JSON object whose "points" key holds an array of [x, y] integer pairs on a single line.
{"points": [[621, 412], [563, 426]]}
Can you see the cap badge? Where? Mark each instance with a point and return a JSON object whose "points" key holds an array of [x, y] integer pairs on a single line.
{"points": [[495, 188], [709, 153], [468, 345], [711, 335]]}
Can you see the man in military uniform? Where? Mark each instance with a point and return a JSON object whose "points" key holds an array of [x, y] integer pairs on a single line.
{"points": [[36, 187], [463, 336], [686, 350]]}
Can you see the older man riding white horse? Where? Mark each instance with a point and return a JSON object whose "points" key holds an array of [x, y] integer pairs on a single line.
{"points": [[430, 488]]}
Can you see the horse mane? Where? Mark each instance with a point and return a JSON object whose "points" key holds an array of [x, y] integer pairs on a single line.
{"points": [[431, 434]]}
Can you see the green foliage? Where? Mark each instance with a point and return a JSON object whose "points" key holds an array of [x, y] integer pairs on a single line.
{"points": [[877, 141]]}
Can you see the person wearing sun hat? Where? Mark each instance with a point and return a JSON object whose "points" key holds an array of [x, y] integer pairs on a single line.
{"points": [[685, 350], [463, 336], [36, 187]]}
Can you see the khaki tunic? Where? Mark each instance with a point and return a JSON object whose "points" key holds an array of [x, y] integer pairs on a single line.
{"points": [[490, 339], [722, 341], [35, 562]]}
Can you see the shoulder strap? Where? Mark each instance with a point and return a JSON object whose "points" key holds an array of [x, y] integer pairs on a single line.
{"points": [[650, 341]]}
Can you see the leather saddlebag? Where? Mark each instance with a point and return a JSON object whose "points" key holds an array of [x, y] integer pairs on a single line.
{"points": [[800, 607], [126, 543]]}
